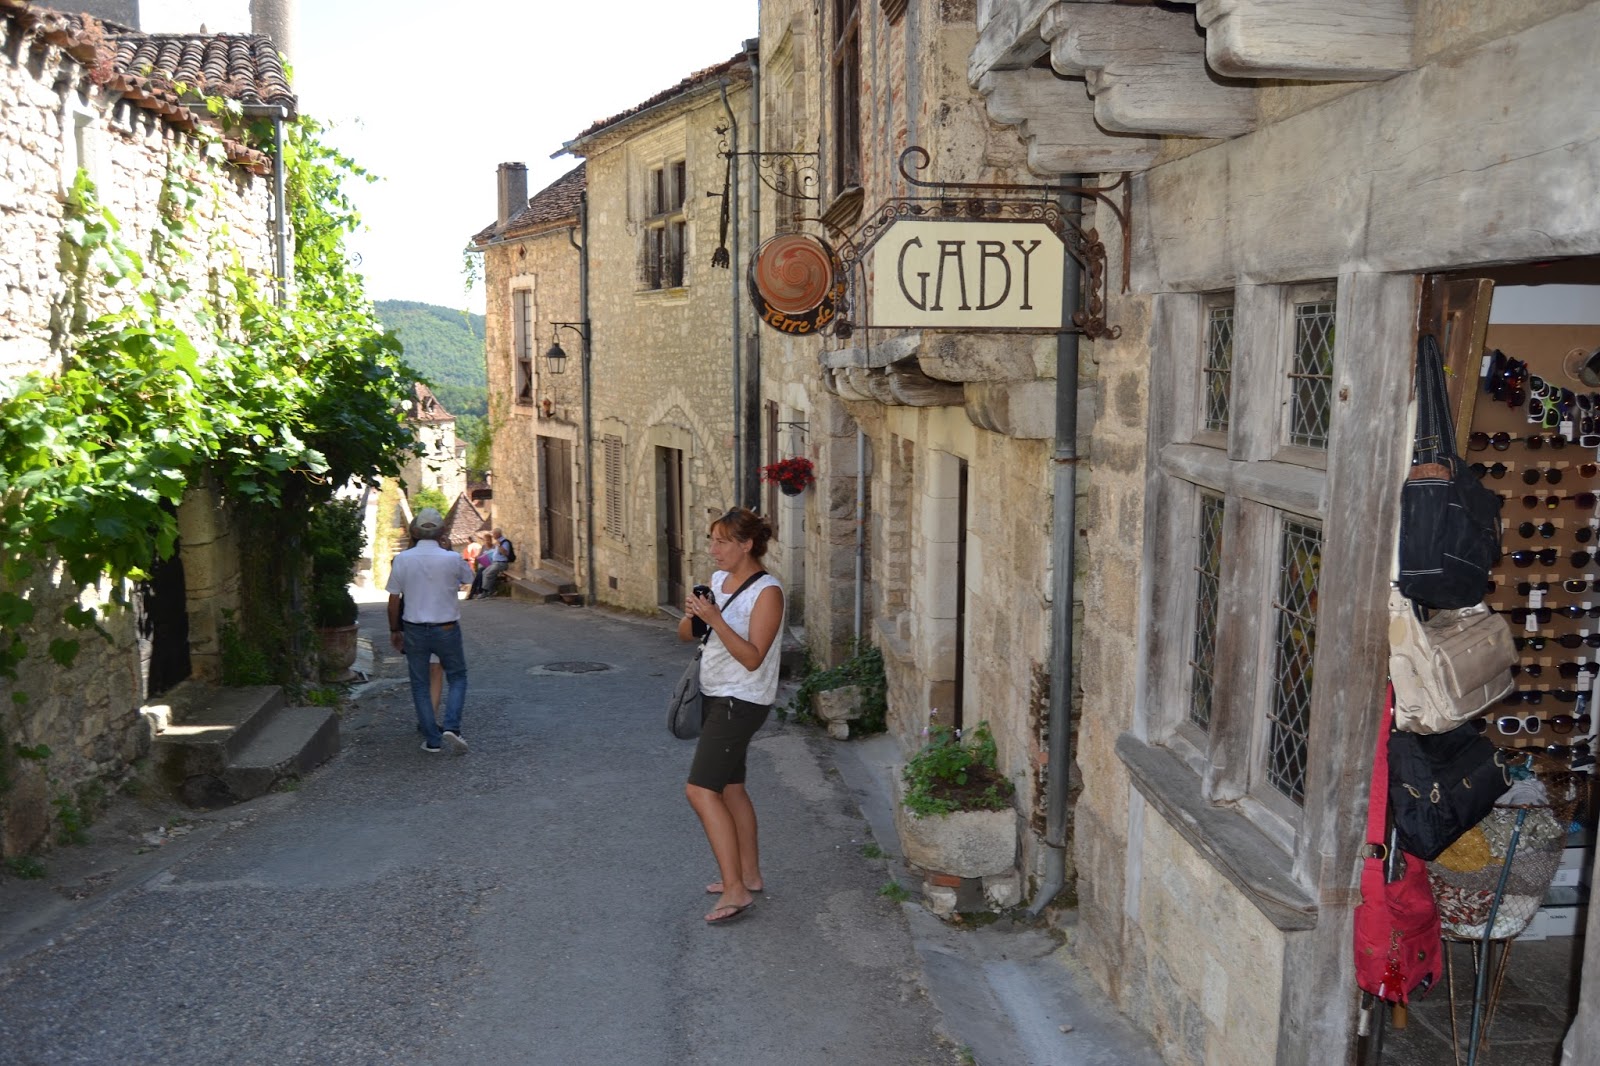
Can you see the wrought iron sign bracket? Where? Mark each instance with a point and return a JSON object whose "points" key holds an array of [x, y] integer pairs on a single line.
{"points": [[768, 169], [979, 201]]}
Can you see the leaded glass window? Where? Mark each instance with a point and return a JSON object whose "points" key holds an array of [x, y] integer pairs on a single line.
{"points": [[1208, 573], [1311, 376], [1218, 370], [1295, 608]]}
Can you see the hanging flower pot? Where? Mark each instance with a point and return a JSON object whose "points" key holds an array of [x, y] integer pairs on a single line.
{"points": [[792, 475]]}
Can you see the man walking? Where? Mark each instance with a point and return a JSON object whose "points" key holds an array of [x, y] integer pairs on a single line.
{"points": [[424, 583], [505, 555]]}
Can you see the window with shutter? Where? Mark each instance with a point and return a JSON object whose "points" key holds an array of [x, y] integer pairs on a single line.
{"points": [[613, 473]]}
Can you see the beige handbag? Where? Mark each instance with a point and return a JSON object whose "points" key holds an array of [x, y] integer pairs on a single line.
{"points": [[1449, 669]]}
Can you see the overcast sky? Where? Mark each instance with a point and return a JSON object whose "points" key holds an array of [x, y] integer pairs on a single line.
{"points": [[432, 97]]}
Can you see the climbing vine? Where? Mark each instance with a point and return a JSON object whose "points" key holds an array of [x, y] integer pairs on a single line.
{"points": [[162, 387]]}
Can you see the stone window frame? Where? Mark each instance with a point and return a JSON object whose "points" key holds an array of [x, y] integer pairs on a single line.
{"points": [[844, 95], [666, 228], [1210, 784], [524, 312], [81, 147]]}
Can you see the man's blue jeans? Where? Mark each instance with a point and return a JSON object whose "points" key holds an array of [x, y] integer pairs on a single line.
{"points": [[445, 642], [491, 576]]}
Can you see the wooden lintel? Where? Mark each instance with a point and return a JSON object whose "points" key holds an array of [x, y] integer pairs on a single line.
{"points": [[1344, 40], [1146, 69], [1008, 38], [1056, 117]]}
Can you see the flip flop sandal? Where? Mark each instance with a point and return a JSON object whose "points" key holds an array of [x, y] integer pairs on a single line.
{"points": [[735, 915]]}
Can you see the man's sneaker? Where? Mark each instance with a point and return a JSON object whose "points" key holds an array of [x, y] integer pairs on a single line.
{"points": [[431, 749], [455, 742]]}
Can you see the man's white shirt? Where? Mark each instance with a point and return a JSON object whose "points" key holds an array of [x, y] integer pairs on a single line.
{"points": [[429, 577]]}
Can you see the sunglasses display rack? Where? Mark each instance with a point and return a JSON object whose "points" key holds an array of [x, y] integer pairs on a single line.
{"points": [[1537, 445]]}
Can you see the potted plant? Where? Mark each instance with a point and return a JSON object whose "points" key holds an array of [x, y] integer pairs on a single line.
{"points": [[334, 539], [955, 818], [792, 475]]}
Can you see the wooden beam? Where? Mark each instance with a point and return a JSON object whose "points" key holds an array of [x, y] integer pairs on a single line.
{"points": [[1146, 69], [1343, 40], [1008, 36], [1056, 117]]}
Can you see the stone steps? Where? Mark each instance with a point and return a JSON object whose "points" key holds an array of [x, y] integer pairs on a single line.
{"points": [[215, 746], [543, 586]]}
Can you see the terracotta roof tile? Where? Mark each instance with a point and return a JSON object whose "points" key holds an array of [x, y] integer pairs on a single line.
{"points": [[142, 68], [556, 202], [740, 63]]}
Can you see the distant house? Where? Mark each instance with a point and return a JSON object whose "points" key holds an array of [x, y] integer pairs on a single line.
{"points": [[619, 259], [441, 464]]}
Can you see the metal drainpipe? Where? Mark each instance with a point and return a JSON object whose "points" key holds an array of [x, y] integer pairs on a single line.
{"points": [[279, 115], [861, 527], [1063, 560], [752, 486], [588, 413], [733, 271]]}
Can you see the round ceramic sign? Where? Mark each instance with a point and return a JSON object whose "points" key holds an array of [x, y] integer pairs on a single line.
{"points": [[796, 282]]}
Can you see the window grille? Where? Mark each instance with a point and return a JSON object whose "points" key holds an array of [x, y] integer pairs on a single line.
{"points": [[1218, 370], [613, 465], [1288, 720], [1312, 376], [1208, 573]]}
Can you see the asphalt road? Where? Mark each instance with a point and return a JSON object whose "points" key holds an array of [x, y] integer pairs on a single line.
{"points": [[539, 900]]}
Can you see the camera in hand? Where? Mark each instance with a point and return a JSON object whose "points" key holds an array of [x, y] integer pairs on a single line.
{"points": [[699, 627]]}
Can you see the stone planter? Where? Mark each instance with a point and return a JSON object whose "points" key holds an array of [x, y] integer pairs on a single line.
{"points": [[336, 652], [837, 708], [964, 843]]}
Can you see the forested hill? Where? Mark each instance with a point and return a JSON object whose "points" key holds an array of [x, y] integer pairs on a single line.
{"points": [[446, 347]]}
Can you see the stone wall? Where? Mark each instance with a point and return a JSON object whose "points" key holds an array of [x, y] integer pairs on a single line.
{"points": [[663, 359], [547, 266], [52, 120]]}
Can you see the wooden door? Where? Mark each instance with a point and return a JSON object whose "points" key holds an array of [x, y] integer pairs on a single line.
{"points": [[669, 524], [555, 500]]}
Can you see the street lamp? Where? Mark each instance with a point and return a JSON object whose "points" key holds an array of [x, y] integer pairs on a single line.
{"points": [[555, 356]]}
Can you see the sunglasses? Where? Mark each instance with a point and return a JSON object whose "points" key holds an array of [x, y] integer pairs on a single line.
{"points": [[1478, 441], [1581, 558], [1528, 588], [1566, 723], [1575, 640], [1581, 500], [1570, 670], [1532, 475], [1531, 669], [1583, 534], [1536, 643], [1511, 725], [1498, 470], [1543, 529], [1567, 751], [1573, 610], [1520, 615], [1526, 557]]}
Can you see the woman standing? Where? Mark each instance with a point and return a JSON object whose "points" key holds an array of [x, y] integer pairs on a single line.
{"points": [[738, 679]]}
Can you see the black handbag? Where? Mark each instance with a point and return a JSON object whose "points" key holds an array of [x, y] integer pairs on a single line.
{"points": [[1449, 521], [1441, 785]]}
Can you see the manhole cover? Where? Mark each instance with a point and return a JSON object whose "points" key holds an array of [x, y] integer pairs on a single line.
{"points": [[576, 668]]}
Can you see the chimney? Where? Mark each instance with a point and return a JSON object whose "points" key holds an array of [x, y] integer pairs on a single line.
{"points": [[513, 191], [276, 19]]}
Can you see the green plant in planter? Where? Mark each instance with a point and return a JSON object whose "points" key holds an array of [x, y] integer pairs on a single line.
{"points": [[950, 773], [334, 537], [864, 669]]}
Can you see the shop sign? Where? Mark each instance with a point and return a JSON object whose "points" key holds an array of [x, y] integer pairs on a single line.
{"points": [[988, 274], [796, 283]]}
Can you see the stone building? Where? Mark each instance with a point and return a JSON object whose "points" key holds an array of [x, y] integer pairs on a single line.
{"points": [[936, 444], [618, 264], [531, 269], [75, 98], [441, 463], [1315, 192], [1307, 190]]}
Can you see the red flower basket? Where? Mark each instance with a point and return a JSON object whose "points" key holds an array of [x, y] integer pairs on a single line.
{"points": [[792, 475]]}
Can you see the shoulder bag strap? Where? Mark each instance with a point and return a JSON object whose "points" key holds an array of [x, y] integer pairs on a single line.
{"points": [[751, 580], [1436, 433]]}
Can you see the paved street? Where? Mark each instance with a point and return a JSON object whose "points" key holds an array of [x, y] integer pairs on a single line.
{"points": [[537, 901]]}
